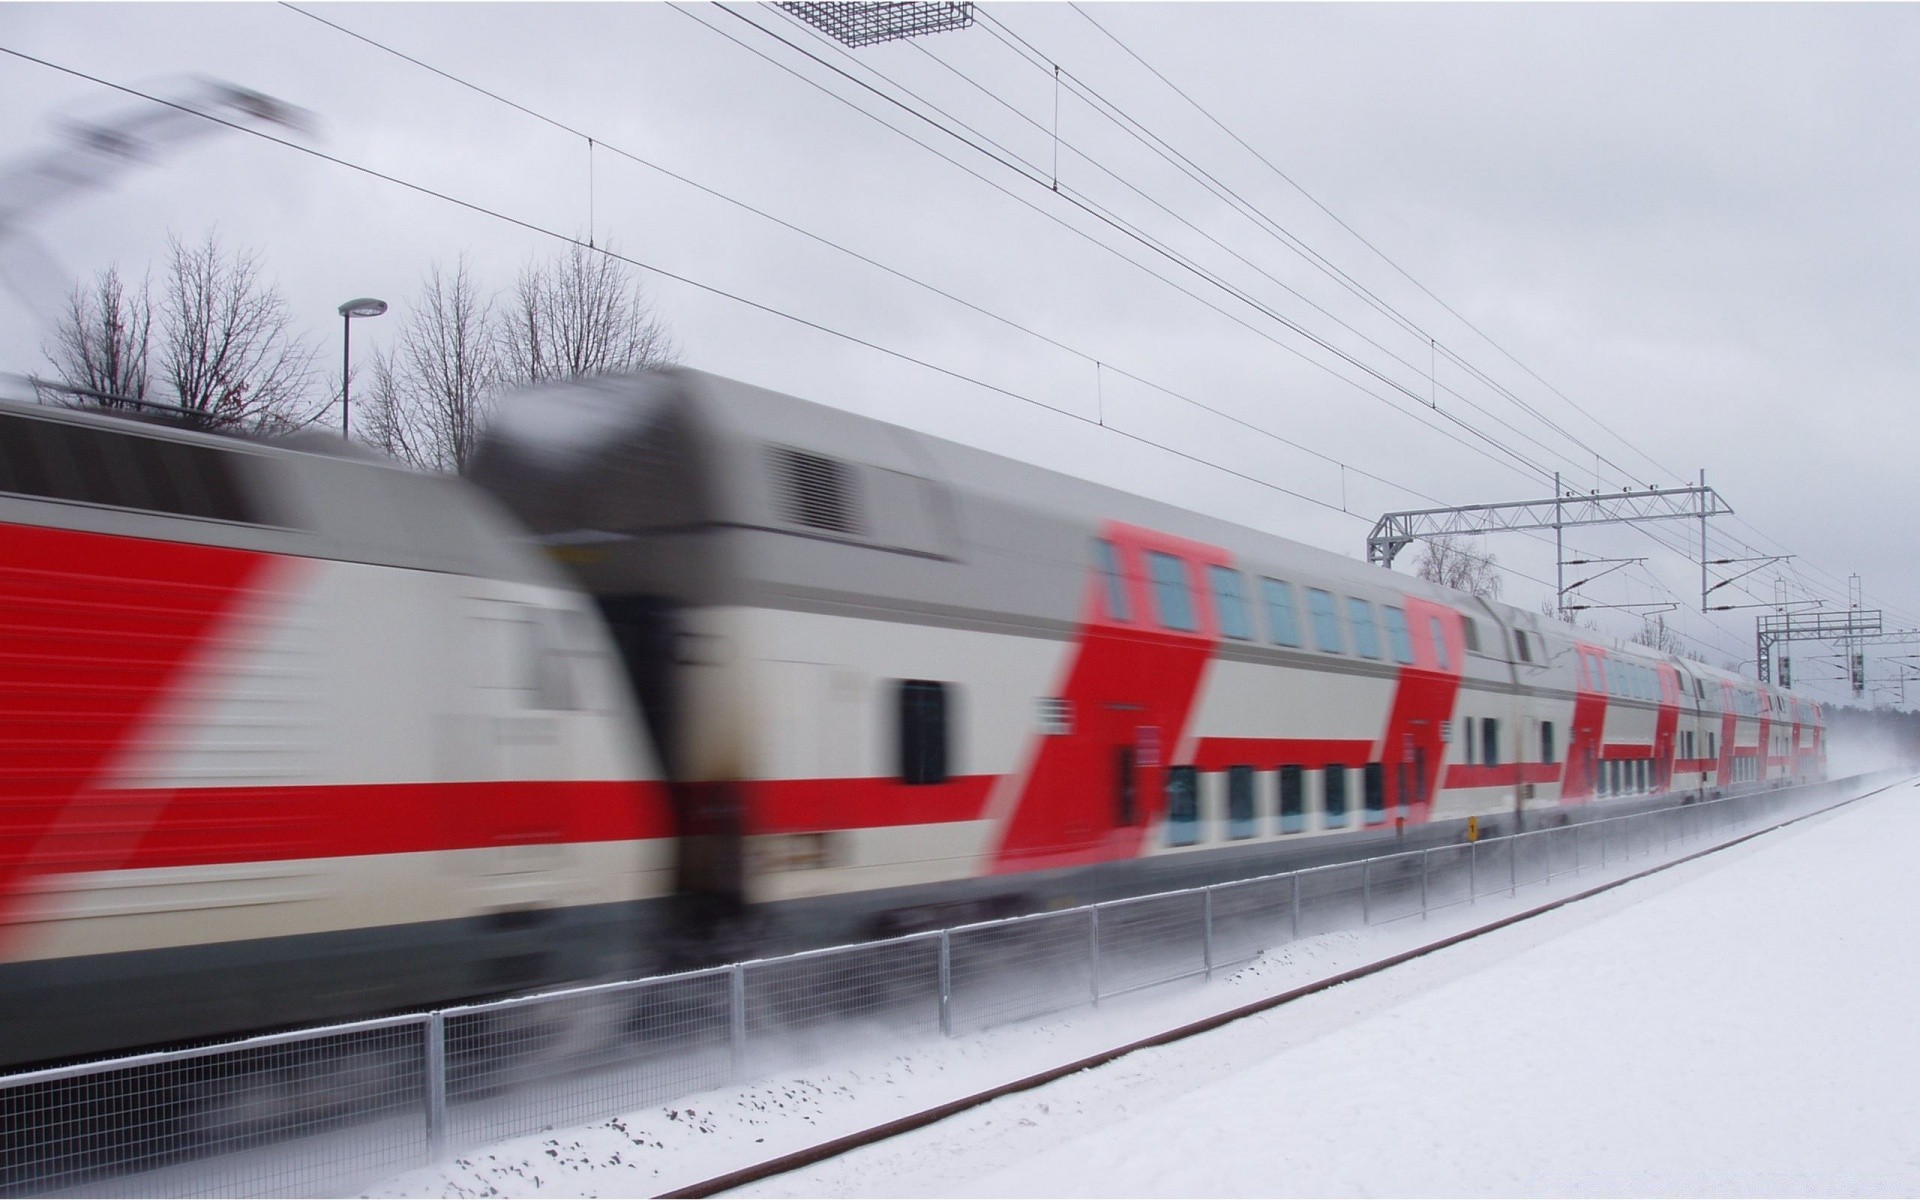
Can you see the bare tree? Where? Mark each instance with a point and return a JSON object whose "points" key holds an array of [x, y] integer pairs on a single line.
{"points": [[100, 342], [228, 351], [580, 313], [1458, 563], [1655, 635], [432, 393]]}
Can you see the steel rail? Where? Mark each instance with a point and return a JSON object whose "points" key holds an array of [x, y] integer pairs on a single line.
{"points": [[834, 1147]]}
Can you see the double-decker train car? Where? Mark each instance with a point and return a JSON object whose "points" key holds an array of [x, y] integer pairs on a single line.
{"points": [[292, 735], [893, 677]]}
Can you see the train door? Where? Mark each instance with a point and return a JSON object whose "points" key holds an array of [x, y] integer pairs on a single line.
{"points": [[1133, 752]]}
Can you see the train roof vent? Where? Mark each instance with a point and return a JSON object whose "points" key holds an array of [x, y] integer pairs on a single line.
{"points": [[817, 490]]}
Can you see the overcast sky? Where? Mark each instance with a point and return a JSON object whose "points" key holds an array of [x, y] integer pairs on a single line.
{"points": [[1688, 231]]}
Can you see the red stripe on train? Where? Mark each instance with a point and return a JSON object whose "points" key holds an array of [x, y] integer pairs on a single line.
{"points": [[98, 629], [179, 827]]}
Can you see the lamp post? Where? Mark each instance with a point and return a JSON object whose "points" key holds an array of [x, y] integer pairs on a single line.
{"points": [[365, 306]]}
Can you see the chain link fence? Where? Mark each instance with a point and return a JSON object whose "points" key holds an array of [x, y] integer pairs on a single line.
{"points": [[317, 1112]]}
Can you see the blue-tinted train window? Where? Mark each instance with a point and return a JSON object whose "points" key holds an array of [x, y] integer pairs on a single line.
{"points": [[1230, 603], [1170, 591], [1183, 806], [1336, 778], [1283, 625], [1326, 621], [1366, 640], [1398, 639], [1293, 800], [1239, 802], [1490, 742], [1439, 644], [923, 731], [1374, 783], [1107, 562]]}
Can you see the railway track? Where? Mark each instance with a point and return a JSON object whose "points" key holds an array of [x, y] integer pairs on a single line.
{"points": [[834, 1147]]}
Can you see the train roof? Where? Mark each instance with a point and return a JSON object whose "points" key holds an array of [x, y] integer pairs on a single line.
{"points": [[812, 491], [307, 494]]}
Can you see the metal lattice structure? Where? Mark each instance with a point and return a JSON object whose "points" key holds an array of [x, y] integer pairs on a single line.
{"points": [[1850, 626], [1396, 531], [859, 23]]}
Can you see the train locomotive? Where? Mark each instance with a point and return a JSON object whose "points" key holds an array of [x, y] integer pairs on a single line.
{"points": [[292, 734], [687, 669]]}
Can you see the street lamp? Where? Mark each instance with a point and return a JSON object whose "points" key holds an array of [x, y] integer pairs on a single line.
{"points": [[365, 306]]}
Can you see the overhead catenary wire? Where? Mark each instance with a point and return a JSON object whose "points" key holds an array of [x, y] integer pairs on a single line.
{"points": [[864, 342], [1091, 208]]}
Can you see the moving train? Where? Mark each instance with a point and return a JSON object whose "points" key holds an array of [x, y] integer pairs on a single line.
{"points": [[686, 669]]}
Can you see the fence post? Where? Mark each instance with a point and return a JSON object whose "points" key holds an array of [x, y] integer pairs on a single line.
{"points": [[1207, 916], [1093, 953], [1296, 907], [737, 1018], [1424, 856], [1473, 872], [946, 984], [436, 1081], [1366, 891]]}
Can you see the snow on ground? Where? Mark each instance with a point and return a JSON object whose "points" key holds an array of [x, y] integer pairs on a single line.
{"points": [[1727, 1027], [1739, 1027]]}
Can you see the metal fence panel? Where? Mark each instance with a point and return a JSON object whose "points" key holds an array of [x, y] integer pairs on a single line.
{"points": [[1330, 899], [1252, 917], [1155, 939], [1014, 970], [521, 1066], [268, 1117], [797, 1007], [1393, 888], [1449, 876]]}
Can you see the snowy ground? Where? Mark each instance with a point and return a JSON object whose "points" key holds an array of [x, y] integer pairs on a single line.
{"points": [[1728, 1027], [1740, 1026]]}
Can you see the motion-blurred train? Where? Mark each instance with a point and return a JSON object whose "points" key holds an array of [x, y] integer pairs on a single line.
{"points": [[293, 734]]}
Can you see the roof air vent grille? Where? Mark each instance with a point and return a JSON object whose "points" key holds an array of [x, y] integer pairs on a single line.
{"points": [[817, 491]]}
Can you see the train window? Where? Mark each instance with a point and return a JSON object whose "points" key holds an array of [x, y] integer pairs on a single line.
{"points": [[1374, 790], [1520, 647], [1713, 750], [1336, 796], [1490, 742], [1366, 639], [1239, 802], [1466, 740], [1283, 626], [1230, 603], [1399, 641], [1326, 622], [1175, 607], [1472, 628], [1546, 741], [818, 490], [57, 461], [1439, 644], [1107, 562], [923, 731], [1293, 799], [1183, 806]]}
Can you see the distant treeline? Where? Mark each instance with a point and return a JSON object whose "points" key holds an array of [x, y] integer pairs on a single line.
{"points": [[1886, 730]]}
